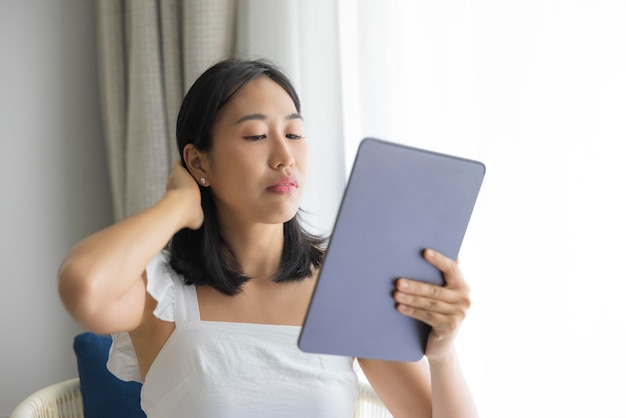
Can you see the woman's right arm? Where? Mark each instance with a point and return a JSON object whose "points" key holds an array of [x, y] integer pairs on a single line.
{"points": [[101, 280]]}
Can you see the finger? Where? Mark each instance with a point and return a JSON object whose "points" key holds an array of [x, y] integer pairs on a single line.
{"points": [[440, 261], [428, 304], [417, 288], [441, 324], [450, 268]]}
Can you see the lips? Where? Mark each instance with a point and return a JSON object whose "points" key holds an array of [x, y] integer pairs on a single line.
{"points": [[285, 184]]}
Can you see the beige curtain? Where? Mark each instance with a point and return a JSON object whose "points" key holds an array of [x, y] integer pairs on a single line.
{"points": [[149, 53]]}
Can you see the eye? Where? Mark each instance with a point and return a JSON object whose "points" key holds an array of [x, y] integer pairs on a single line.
{"points": [[254, 137], [294, 136]]}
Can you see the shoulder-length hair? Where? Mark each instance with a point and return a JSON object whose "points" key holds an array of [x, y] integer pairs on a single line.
{"points": [[203, 256]]}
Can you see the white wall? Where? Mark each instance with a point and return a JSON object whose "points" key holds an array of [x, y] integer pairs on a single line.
{"points": [[54, 189]]}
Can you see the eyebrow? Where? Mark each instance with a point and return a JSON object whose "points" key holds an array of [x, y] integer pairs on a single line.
{"points": [[260, 116]]}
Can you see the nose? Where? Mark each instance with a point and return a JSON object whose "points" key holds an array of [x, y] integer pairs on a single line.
{"points": [[282, 155]]}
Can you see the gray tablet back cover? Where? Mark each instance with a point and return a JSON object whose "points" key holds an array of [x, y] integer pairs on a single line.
{"points": [[399, 201]]}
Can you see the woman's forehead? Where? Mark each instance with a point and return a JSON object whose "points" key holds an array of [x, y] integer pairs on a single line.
{"points": [[261, 95]]}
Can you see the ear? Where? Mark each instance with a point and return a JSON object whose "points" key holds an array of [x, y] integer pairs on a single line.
{"points": [[197, 163]]}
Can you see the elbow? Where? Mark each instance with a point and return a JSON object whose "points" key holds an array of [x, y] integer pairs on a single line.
{"points": [[88, 297], [77, 293]]}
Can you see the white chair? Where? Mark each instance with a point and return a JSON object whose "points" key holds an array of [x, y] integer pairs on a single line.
{"points": [[369, 404], [61, 400], [64, 400]]}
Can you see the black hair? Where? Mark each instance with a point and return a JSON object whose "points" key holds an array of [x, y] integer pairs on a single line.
{"points": [[203, 256]]}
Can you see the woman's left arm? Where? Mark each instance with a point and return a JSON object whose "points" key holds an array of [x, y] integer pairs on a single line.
{"points": [[436, 387]]}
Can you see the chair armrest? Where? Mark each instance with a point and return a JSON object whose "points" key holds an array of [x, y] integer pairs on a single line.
{"points": [[61, 400], [369, 404]]}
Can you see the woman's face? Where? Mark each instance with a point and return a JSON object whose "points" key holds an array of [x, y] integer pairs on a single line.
{"points": [[258, 159]]}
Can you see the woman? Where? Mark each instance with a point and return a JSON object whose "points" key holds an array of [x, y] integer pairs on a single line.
{"points": [[210, 326]]}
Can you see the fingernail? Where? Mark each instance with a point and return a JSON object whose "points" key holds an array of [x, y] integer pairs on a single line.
{"points": [[403, 284], [430, 253]]}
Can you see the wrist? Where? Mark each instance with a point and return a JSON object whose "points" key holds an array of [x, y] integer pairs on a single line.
{"points": [[176, 203], [444, 361]]}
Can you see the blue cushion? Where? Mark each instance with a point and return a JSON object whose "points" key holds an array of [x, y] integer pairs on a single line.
{"points": [[104, 395]]}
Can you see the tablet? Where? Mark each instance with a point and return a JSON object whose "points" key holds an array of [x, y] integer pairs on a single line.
{"points": [[399, 200]]}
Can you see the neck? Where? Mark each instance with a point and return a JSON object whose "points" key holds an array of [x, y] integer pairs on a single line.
{"points": [[257, 247]]}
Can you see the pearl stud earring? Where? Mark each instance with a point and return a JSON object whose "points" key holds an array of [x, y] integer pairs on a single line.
{"points": [[203, 180]]}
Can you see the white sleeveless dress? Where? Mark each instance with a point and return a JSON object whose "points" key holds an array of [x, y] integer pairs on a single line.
{"points": [[228, 369]]}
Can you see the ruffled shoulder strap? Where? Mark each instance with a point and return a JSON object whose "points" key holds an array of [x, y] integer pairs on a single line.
{"points": [[162, 281], [161, 285], [122, 362]]}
